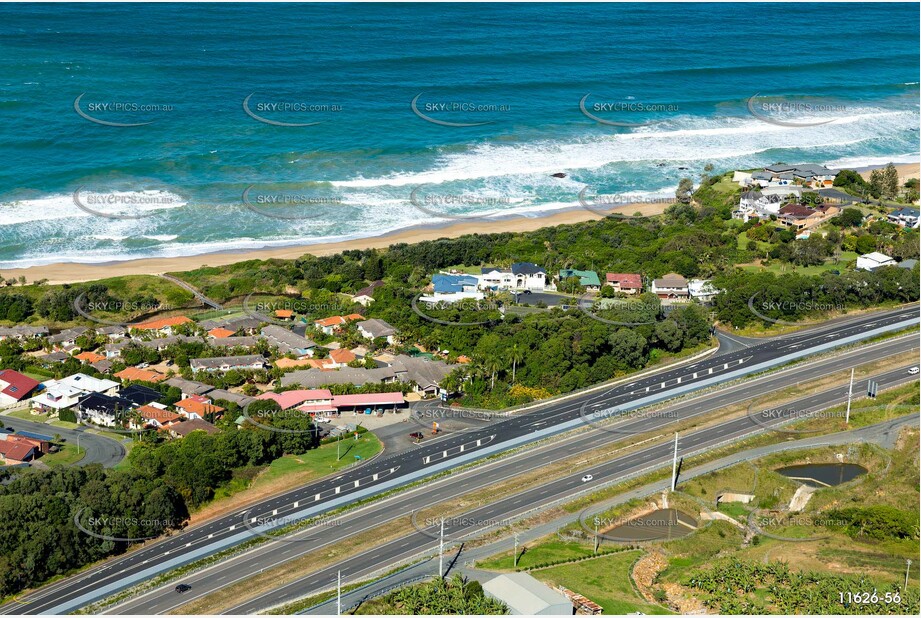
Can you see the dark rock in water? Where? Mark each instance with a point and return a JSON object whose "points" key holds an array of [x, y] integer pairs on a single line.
{"points": [[660, 165], [559, 175], [682, 168]]}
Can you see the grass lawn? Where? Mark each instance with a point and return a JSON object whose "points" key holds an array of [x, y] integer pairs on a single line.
{"points": [[605, 580], [290, 471], [64, 424], [67, 455], [27, 415], [540, 554], [320, 461]]}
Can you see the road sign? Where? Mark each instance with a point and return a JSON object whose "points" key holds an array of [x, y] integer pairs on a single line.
{"points": [[872, 389]]}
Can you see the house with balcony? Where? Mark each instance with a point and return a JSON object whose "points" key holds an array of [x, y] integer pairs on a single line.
{"points": [[626, 283], [672, 286], [247, 362]]}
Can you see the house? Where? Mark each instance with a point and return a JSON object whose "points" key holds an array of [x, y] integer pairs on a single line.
{"points": [[16, 453], [23, 332], [220, 332], [702, 290], [905, 217], [375, 401], [587, 278], [15, 387], [800, 217], [41, 443], [287, 341], [627, 283], [89, 384], [112, 332], [807, 174], [89, 357], [375, 329], [291, 399], [525, 595], [189, 387], [233, 342], [152, 415], [291, 363], [453, 287], [56, 397], [220, 394], [67, 338], [671, 285], [872, 261], [103, 366], [316, 378], [198, 407], [284, 314], [161, 343], [340, 358], [521, 276], [247, 324], [181, 430], [114, 350], [365, 296], [424, 373], [247, 362], [331, 324], [162, 325], [139, 394], [52, 358], [105, 410]]}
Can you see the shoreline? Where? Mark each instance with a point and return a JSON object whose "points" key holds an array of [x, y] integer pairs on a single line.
{"points": [[72, 272]]}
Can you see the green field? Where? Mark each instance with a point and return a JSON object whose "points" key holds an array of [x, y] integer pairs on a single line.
{"points": [[67, 455], [604, 580]]}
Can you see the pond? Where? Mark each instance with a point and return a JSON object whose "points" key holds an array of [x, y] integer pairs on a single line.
{"points": [[823, 475], [659, 525]]}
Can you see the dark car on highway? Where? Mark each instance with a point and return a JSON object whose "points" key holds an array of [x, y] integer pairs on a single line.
{"points": [[183, 588]]}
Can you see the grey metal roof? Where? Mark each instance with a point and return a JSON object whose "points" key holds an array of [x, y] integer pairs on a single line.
{"points": [[314, 378], [286, 340]]}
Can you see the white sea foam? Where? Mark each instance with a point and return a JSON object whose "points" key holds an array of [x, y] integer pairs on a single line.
{"points": [[682, 139], [63, 206]]}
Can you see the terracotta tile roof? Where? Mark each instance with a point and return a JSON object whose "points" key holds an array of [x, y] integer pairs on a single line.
{"points": [[331, 321], [162, 323], [194, 405], [284, 313], [15, 451], [89, 357], [220, 333], [156, 414], [145, 375], [626, 280], [342, 356], [284, 363]]}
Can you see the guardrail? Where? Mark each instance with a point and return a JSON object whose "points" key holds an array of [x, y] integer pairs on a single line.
{"points": [[196, 554]]}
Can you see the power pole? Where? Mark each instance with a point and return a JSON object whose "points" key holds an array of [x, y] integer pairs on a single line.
{"points": [[675, 464], [515, 557], [338, 438], [595, 551], [441, 550], [907, 569], [850, 390], [338, 593]]}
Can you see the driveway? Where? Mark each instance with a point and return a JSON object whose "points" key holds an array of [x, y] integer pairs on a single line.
{"points": [[99, 449]]}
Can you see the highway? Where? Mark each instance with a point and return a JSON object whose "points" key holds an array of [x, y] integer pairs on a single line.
{"points": [[356, 522], [470, 525], [384, 473]]}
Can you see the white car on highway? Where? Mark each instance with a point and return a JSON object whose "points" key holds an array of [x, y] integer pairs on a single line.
{"points": [[913, 371], [587, 478]]}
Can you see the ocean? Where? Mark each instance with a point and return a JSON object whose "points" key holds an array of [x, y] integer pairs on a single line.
{"points": [[168, 129]]}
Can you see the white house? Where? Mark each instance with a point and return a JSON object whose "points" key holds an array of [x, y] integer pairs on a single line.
{"points": [[452, 287], [702, 290], [906, 217], [521, 276], [374, 329], [872, 261]]}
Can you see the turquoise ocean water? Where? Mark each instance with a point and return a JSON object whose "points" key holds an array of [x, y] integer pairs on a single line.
{"points": [[497, 92]]}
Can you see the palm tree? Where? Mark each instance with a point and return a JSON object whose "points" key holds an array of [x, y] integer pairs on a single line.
{"points": [[492, 364], [515, 355]]}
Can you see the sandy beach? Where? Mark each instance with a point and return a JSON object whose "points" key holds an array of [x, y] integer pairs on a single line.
{"points": [[74, 273]]}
